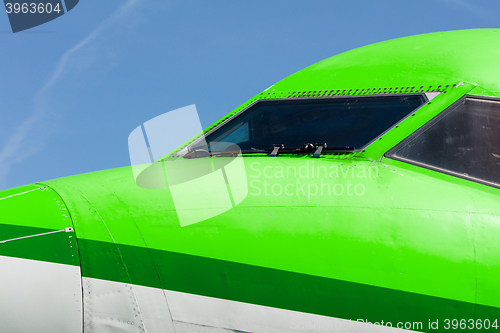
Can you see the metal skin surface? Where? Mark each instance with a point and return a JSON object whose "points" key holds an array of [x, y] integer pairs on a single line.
{"points": [[40, 277], [416, 246]]}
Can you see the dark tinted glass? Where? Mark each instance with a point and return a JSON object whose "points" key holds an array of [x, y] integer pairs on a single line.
{"points": [[465, 141], [339, 122]]}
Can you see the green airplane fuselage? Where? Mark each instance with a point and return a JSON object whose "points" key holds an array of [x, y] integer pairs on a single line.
{"points": [[355, 235]]}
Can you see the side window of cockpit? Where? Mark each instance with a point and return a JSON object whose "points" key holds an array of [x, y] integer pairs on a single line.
{"points": [[463, 141]]}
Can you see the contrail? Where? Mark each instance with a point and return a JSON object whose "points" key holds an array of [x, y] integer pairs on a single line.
{"points": [[467, 6], [11, 153]]}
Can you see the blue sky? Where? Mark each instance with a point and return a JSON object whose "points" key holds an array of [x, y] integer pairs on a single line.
{"points": [[73, 89]]}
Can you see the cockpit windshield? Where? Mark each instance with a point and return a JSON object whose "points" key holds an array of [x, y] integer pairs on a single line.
{"points": [[339, 122]]}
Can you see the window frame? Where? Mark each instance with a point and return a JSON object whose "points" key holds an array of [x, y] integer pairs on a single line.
{"points": [[430, 123], [357, 150]]}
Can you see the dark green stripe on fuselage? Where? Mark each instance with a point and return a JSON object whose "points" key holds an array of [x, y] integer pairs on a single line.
{"points": [[27, 214], [33, 243], [239, 282], [273, 287]]}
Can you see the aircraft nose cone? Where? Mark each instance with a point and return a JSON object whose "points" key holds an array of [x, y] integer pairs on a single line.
{"points": [[40, 279]]}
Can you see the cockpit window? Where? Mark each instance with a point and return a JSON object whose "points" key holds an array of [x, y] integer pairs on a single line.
{"points": [[463, 141], [338, 122]]}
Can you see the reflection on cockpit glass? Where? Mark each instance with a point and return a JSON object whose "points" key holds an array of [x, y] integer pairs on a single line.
{"points": [[339, 122]]}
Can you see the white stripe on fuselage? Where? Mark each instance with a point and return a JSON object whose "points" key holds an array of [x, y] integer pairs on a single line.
{"points": [[38, 296], [215, 312], [67, 229], [15, 195], [119, 305], [43, 297]]}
